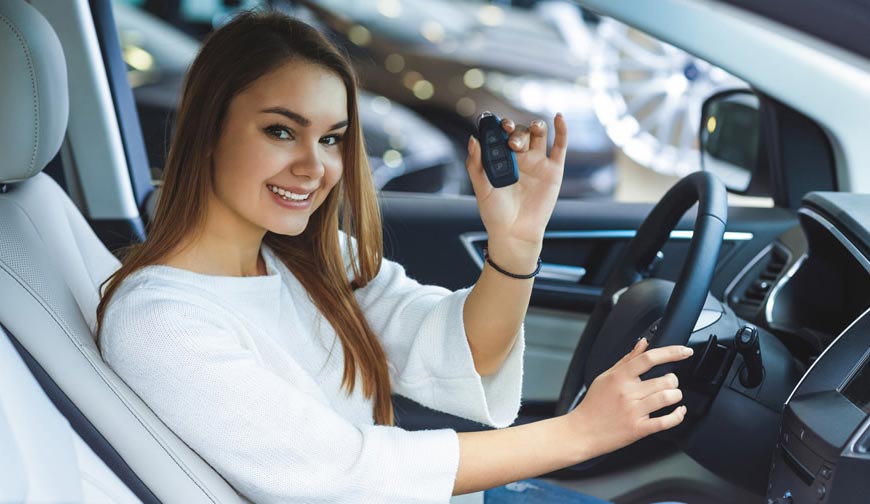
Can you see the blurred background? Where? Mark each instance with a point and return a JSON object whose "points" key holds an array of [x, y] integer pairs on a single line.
{"points": [[429, 67]]}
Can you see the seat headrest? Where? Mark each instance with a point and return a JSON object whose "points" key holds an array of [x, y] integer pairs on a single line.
{"points": [[34, 101]]}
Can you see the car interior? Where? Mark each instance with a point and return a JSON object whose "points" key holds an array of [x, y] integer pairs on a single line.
{"points": [[774, 299]]}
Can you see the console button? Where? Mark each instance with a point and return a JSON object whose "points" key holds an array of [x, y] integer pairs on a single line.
{"points": [[825, 472]]}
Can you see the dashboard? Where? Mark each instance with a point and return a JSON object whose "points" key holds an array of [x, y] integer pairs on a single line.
{"points": [[814, 280], [811, 288]]}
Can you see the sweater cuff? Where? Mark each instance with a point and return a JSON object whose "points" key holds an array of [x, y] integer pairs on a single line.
{"points": [[493, 400], [412, 467]]}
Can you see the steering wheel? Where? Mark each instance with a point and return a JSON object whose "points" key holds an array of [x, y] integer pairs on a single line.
{"points": [[630, 308]]}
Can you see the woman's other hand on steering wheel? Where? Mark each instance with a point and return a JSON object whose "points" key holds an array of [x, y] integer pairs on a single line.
{"points": [[616, 409], [515, 216]]}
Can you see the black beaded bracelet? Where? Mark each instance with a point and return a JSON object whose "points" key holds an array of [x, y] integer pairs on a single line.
{"points": [[512, 275]]}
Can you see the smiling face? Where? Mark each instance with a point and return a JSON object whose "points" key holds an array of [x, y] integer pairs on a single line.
{"points": [[280, 151]]}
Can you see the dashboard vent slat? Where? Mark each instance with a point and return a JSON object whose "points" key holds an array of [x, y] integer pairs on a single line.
{"points": [[758, 288]]}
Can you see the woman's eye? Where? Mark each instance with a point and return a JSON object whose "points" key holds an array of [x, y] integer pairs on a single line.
{"points": [[332, 140], [279, 132]]}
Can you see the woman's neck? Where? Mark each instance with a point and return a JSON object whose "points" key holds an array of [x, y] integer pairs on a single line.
{"points": [[210, 256]]}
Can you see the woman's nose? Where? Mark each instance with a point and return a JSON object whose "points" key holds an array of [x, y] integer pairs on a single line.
{"points": [[308, 163]]}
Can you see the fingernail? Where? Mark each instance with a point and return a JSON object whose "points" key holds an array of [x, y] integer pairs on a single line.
{"points": [[685, 409], [538, 123], [640, 341], [687, 351], [517, 141]]}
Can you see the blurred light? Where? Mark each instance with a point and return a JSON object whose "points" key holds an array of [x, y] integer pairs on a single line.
{"points": [[411, 78], [491, 15], [392, 158], [138, 58], [496, 82], [381, 105], [423, 89], [539, 94], [394, 126], [359, 35], [432, 31], [474, 78], [390, 8], [466, 107], [448, 46], [677, 84], [711, 124], [394, 63], [397, 141]]}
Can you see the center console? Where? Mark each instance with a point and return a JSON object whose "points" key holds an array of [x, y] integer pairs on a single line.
{"points": [[823, 451]]}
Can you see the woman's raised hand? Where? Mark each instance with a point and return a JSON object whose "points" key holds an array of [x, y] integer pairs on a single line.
{"points": [[515, 216], [616, 409]]}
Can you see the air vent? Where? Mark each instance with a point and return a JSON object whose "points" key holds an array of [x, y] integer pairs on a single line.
{"points": [[759, 285]]}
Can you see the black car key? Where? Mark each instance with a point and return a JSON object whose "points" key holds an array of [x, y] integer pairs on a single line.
{"points": [[499, 160]]}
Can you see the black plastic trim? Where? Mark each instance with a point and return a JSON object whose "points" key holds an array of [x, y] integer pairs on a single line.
{"points": [[118, 233], [82, 426], [125, 105]]}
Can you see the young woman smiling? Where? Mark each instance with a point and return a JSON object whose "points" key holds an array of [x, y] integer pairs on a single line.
{"points": [[261, 323]]}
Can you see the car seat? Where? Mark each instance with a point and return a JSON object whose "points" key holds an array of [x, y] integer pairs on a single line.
{"points": [[51, 267]]}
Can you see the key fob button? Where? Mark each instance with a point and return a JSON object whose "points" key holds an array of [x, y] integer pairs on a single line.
{"points": [[497, 152], [500, 166]]}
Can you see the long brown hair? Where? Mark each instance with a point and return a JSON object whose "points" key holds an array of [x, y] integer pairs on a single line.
{"points": [[233, 57]]}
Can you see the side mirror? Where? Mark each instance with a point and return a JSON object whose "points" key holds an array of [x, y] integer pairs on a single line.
{"points": [[731, 141]]}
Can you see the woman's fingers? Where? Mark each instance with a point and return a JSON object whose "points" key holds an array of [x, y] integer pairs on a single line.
{"points": [[652, 358], [653, 385], [479, 182], [660, 399], [560, 142], [638, 349], [518, 136], [538, 137], [652, 425]]}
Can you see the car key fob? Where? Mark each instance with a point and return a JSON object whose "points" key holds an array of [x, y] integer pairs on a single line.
{"points": [[499, 160]]}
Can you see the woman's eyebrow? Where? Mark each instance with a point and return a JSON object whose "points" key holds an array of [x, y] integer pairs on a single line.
{"points": [[298, 118]]}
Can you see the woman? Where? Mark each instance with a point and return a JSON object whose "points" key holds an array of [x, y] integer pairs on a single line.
{"points": [[271, 342]]}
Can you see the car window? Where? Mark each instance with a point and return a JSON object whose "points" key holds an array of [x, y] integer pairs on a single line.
{"points": [[429, 67]]}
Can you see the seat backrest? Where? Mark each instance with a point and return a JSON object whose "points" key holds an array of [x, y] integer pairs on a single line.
{"points": [[51, 267]]}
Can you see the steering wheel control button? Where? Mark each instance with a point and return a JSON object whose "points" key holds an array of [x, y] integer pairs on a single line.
{"points": [[499, 161]]}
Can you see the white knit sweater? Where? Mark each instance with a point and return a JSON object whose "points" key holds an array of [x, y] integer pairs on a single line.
{"points": [[248, 373]]}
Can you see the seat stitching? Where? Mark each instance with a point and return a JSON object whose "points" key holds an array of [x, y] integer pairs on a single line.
{"points": [[35, 91], [62, 324]]}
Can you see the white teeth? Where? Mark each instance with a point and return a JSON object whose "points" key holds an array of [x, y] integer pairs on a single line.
{"points": [[287, 195]]}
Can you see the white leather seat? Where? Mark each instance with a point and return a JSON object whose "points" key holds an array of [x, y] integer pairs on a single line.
{"points": [[51, 266]]}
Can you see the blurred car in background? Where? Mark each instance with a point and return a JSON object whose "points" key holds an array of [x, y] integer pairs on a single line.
{"points": [[621, 91], [157, 56]]}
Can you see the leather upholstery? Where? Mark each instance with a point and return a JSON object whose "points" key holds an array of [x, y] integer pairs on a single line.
{"points": [[52, 263], [34, 101]]}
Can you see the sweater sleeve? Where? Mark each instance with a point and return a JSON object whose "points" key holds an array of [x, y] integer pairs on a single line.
{"points": [[265, 436], [430, 361]]}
